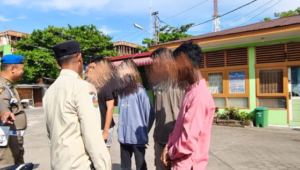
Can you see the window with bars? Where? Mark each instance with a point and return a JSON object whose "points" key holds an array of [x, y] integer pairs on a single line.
{"points": [[232, 57], [271, 81], [237, 57], [215, 59], [202, 65], [293, 51], [270, 54]]}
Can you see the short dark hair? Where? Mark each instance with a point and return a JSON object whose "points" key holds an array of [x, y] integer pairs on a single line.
{"points": [[66, 59], [192, 50], [159, 51], [97, 59], [94, 59], [5, 66]]}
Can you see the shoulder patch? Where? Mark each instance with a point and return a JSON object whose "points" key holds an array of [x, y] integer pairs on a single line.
{"points": [[95, 101], [92, 93]]}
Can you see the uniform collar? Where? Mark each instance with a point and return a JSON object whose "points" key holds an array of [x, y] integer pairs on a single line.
{"points": [[68, 72], [7, 82]]}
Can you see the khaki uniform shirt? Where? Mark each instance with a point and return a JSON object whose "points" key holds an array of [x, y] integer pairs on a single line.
{"points": [[167, 106], [73, 124], [20, 122]]}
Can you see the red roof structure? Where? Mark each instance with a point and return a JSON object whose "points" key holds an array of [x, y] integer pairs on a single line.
{"points": [[140, 59]]}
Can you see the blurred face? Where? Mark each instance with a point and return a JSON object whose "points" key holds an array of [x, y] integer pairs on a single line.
{"points": [[90, 68], [163, 69], [183, 64], [17, 71]]}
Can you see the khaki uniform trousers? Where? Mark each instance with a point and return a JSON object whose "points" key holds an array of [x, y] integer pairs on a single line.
{"points": [[13, 153]]}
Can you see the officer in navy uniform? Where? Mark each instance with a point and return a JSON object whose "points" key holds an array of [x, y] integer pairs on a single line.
{"points": [[11, 111]]}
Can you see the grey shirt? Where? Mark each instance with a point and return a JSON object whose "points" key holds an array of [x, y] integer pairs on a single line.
{"points": [[167, 105]]}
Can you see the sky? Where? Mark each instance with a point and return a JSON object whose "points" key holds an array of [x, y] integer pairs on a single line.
{"points": [[116, 17]]}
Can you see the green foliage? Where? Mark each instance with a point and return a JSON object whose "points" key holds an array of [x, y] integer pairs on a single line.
{"points": [[250, 117], [40, 60], [242, 116], [168, 33], [284, 14], [232, 112], [287, 13], [235, 114], [143, 49], [148, 41]]}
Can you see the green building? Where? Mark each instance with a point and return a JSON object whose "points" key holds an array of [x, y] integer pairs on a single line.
{"points": [[252, 66]]}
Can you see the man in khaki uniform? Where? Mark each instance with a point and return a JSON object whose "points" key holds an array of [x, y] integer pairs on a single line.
{"points": [[73, 117], [11, 110]]}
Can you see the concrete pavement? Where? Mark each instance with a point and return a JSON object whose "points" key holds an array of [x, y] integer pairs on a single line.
{"points": [[231, 148]]}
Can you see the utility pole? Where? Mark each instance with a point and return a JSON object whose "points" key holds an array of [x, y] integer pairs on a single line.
{"points": [[217, 23], [150, 1], [156, 38]]}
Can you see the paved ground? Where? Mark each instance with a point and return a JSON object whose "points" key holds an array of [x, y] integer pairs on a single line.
{"points": [[231, 148]]}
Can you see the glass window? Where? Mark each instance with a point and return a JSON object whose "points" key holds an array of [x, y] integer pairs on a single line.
{"points": [[271, 81], [272, 103], [295, 77], [215, 83], [238, 102], [219, 101], [237, 82]]}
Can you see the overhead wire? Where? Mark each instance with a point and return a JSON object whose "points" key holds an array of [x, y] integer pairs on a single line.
{"points": [[129, 34], [186, 10], [225, 13], [248, 13], [260, 13]]}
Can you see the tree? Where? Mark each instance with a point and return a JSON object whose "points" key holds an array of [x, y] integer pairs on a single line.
{"points": [[143, 49], [284, 14], [287, 13], [168, 33], [40, 61]]}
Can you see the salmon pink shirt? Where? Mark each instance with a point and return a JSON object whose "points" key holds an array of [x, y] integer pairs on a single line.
{"points": [[189, 142]]}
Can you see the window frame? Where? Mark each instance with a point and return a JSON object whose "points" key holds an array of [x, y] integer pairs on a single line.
{"points": [[223, 82], [226, 94], [285, 93], [285, 83]]}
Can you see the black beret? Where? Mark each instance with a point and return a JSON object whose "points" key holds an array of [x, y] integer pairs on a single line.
{"points": [[66, 48]]}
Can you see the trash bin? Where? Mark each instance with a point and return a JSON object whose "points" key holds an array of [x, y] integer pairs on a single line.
{"points": [[261, 116]]}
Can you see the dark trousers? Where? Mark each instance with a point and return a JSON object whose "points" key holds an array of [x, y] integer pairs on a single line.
{"points": [[139, 155]]}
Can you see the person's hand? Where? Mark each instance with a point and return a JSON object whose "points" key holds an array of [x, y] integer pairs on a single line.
{"points": [[165, 159], [105, 135], [7, 117]]}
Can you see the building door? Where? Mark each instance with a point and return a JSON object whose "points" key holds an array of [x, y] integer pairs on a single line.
{"points": [[294, 90]]}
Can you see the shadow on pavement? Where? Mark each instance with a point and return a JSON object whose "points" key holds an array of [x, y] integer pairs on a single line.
{"points": [[36, 166], [116, 166]]}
